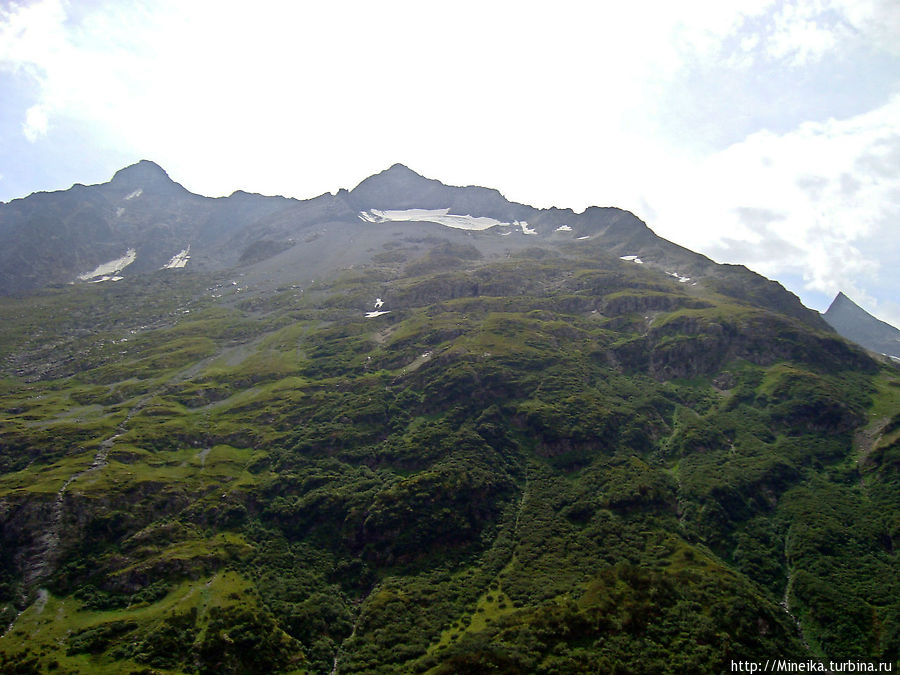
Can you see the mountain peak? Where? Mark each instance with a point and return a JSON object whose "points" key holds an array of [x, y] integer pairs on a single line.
{"points": [[856, 324], [144, 175], [394, 187], [839, 300], [399, 187], [399, 167], [844, 306], [142, 169], [399, 172]]}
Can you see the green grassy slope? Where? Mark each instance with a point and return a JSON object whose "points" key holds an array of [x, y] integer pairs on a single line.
{"points": [[541, 465]]}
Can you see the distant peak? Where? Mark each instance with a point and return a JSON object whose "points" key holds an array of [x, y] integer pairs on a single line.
{"points": [[398, 172], [399, 169], [856, 324], [399, 187], [396, 182], [841, 300], [143, 172], [149, 164], [148, 177]]}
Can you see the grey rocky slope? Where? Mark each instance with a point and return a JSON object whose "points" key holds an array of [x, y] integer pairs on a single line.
{"points": [[142, 222], [856, 324]]}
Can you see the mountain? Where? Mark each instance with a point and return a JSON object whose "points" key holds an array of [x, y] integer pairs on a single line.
{"points": [[856, 324], [59, 237], [412, 427], [90, 233]]}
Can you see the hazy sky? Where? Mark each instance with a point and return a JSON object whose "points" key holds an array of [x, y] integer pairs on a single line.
{"points": [[761, 132]]}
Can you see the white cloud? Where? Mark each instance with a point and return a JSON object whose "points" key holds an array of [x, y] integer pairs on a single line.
{"points": [[35, 124], [826, 194], [31, 34], [799, 33], [875, 21], [803, 32]]}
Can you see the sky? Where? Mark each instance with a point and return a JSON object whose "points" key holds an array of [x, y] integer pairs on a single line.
{"points": [[765, 132]]}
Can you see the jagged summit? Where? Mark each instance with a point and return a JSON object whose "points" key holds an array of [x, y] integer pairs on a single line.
{"points": [[145, 176], [399, 187], [843, 307], [839, 300], [144, 170], [856, 324], [398, 167], [396, 187]]}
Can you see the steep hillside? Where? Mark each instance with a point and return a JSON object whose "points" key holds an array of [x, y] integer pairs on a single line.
{"points": [[459, 451]]}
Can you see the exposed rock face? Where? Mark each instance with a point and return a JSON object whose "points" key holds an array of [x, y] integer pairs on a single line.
{"points": [[52, 238], [856, 324], [59, 237], [147, 177]]}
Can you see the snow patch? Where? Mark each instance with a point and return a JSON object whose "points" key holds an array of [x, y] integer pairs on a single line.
{"points": [[442, 217], [379, 303], [180, 259], [439, 216], [631, 258], [112, 268], [587, 236], [136, 193], [563, 228], [681, 279], [120, 211]]}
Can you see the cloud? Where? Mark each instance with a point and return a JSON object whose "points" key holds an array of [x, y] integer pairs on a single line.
{"points": [[804, 32], [758, 218], [31, 34], [877, 22], [798, 33], [35, 124], [829, 192]]}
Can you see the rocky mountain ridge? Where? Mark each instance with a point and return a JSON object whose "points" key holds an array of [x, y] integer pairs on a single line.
{"points": [[60, 237]]}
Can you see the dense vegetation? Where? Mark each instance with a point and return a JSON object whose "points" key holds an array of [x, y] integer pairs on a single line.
{"points": [[555, 463]]}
